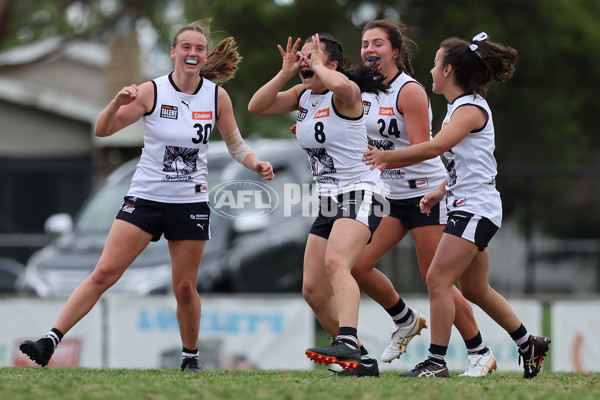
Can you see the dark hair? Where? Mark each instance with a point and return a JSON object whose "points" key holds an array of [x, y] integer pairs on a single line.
{"points": [[222, 62], [367, 77], [475, 70], [395, 34]]}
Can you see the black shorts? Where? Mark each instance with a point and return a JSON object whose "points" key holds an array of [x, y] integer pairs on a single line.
{"points": [[187, 221], [358, 205], [409, 213], [474, 228]]}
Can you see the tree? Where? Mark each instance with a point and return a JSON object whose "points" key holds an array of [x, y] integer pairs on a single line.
{"points": [[544, 115]]}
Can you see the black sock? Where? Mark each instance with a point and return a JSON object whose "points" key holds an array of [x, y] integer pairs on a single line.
{"points": [[475, 345], [437, 354], [55, 335], [349, 336], [187, 353], [521, 338], [365, 357], [400, 313]]}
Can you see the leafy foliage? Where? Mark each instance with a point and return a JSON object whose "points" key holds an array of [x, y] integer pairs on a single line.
{"points": [[544, 115]]}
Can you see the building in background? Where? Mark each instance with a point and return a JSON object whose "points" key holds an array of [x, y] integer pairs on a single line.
{"points": [[51, 93]]}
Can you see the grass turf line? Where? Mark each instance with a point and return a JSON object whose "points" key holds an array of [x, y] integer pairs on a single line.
{"points": [[165, 384]]}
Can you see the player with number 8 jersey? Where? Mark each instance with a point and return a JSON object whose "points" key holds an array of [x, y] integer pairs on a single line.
{"points": [[335, 145], [330, 127]]}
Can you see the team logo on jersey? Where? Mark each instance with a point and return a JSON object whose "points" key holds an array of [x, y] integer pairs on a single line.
{"points": [[366, 106], [384, 144], [202, 115], [180, 162], [451, 168], [301, 114], [322, 113], [322, 165], [169, 112], [386, 111]]}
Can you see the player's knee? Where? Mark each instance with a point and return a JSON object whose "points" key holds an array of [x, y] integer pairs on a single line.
{"points": [[361, 270], [103, 280], [185, 291], [434, 283], [334, 266]]}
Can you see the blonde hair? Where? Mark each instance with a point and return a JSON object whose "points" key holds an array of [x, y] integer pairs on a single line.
{"points": [[222, 62]]}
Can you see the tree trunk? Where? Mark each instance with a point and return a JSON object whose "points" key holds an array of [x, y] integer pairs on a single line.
{"points": [[6, 7]]}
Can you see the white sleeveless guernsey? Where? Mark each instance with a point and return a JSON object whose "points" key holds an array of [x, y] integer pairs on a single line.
{"points": [[471, 167], [387, 129], [335, 145], [172, 168]]}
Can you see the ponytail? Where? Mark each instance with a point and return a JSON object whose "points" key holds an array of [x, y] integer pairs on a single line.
{"points": [[222, 62], [478, 63]]}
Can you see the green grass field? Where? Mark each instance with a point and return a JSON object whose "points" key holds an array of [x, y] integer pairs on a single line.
{"points": [[166, 384]]}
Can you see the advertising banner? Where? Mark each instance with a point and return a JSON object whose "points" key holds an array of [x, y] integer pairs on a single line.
{"points": [[235, 332], [575, 330], [32, 318]]}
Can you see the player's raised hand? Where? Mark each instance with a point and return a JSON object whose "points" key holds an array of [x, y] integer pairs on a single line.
{"points": [[291, 57], [316, 55], [126, 95]]}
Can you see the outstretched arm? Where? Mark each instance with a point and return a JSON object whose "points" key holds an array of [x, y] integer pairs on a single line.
{"points": [[236, 145], [464, 120]]}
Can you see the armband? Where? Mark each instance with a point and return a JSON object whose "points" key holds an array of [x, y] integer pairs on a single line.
{"points": [[237, 146]]}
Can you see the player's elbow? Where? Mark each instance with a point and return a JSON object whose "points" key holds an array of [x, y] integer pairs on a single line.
{"points": [[257, 110]]}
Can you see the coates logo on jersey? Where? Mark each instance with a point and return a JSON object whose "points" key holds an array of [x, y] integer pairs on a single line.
{"points": [[386, 111], [322, 113], [202, 115], [169, 112]]}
